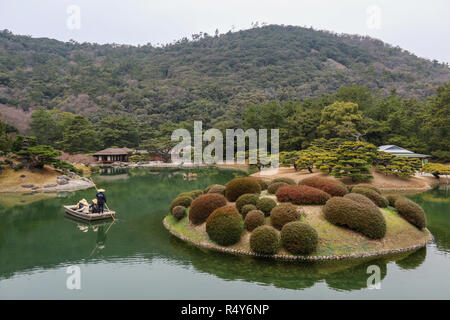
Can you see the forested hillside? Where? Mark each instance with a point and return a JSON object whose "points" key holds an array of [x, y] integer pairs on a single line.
{"points": [[210, 78]]}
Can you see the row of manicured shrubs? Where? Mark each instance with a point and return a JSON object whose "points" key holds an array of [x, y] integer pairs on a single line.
{"points": [[330, 186], [409, 210], [296, 237], [201, 203], [225, 224], [357, 210]]}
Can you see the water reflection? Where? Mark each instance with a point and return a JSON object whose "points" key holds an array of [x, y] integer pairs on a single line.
{"points": [[436, 204], [413, 260], [344, 275], [37, 236]]}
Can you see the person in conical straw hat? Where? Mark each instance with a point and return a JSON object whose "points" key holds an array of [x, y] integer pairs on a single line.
{"points": [[101, 199]]}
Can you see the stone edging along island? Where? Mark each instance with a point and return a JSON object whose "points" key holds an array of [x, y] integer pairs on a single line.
{"points": [[215, 247]]}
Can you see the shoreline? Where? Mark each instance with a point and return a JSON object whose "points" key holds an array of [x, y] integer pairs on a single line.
{"points": [[73, 185], [45, 180], [387, 184]]}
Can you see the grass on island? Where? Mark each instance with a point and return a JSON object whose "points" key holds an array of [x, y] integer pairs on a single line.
{"points": [[333, 240]]}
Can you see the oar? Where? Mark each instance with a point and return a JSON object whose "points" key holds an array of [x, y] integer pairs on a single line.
{"points": [[96, 245], [110, 212]]}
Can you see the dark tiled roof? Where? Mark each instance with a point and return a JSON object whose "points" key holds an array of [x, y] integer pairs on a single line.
{"points": [[113, 151]]}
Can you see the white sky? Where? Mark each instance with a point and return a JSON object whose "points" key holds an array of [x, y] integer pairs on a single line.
{"points": [[422, 27]]}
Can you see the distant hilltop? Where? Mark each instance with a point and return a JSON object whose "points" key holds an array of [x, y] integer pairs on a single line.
{"points": [[208, 77]]}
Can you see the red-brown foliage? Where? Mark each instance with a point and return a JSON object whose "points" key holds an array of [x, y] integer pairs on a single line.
{"points": [[332, 187], [302, 195]]}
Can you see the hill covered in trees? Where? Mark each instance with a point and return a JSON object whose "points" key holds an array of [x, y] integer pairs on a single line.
{"points": [[209, 78]]}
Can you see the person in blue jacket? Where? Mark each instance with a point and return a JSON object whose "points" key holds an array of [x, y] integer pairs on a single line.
{"points": [[101, 199]]}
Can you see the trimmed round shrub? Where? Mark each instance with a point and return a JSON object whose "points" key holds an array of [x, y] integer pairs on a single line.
{"points": [[264, 240], [193, 194], [248, 198], [411, 211], [217, 189], [302, 195], [299, 238], [377, 198], [247, 208], [332, 187], [283, 193], [365, 219], [254, 219], [179, 212], [224, 226], [285, 180], [274, 186], [391, 198], [208, 188], [204, 205], [360, 199], [266, 205], [180, 201], [239, 186], [261, 182], [282, 214], [369, 186]]}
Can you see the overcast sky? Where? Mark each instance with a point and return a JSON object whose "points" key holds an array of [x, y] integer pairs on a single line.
{"points": [[422, 27]]}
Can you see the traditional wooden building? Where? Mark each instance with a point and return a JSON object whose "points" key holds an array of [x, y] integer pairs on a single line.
{"points": [[401, 152], [113, 155]]}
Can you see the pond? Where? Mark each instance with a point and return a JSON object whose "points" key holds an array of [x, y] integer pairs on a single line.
{"points": [[136, 258]]}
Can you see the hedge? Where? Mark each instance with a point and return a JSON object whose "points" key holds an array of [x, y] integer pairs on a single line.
{"points": [[224, 226], [285, 180], [369, 186], [332, 187], [273, 187], [254, 219], [180, 201], [193, 194], [411, 211], [266, 205], [282, 214], [239, 186], [360, 199], [264, 240], [299, 238], [263, 184], [215, 188], [302, 195], [248, 198], [391, 198], [365, 219], [204, 205], [377, 198], [179, 212], [246, 209]]}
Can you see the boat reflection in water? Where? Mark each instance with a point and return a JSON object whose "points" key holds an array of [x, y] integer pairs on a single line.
{"points": [[101, 228]]}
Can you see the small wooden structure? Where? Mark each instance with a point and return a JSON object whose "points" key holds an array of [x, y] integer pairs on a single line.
{"points": [[110, 155], [401, 152], [70, 210]]}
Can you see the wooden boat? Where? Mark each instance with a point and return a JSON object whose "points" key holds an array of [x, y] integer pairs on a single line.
{"points": [[89, 216]]}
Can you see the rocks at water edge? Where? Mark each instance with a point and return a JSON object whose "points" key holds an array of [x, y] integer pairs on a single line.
{"points": [[62, 180], [50, 185]]}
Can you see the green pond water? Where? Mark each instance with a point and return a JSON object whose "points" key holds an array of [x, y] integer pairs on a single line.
{"points": [[136, 258]]}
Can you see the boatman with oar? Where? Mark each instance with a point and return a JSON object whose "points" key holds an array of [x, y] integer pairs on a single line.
{"points": [[101, 199]]}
